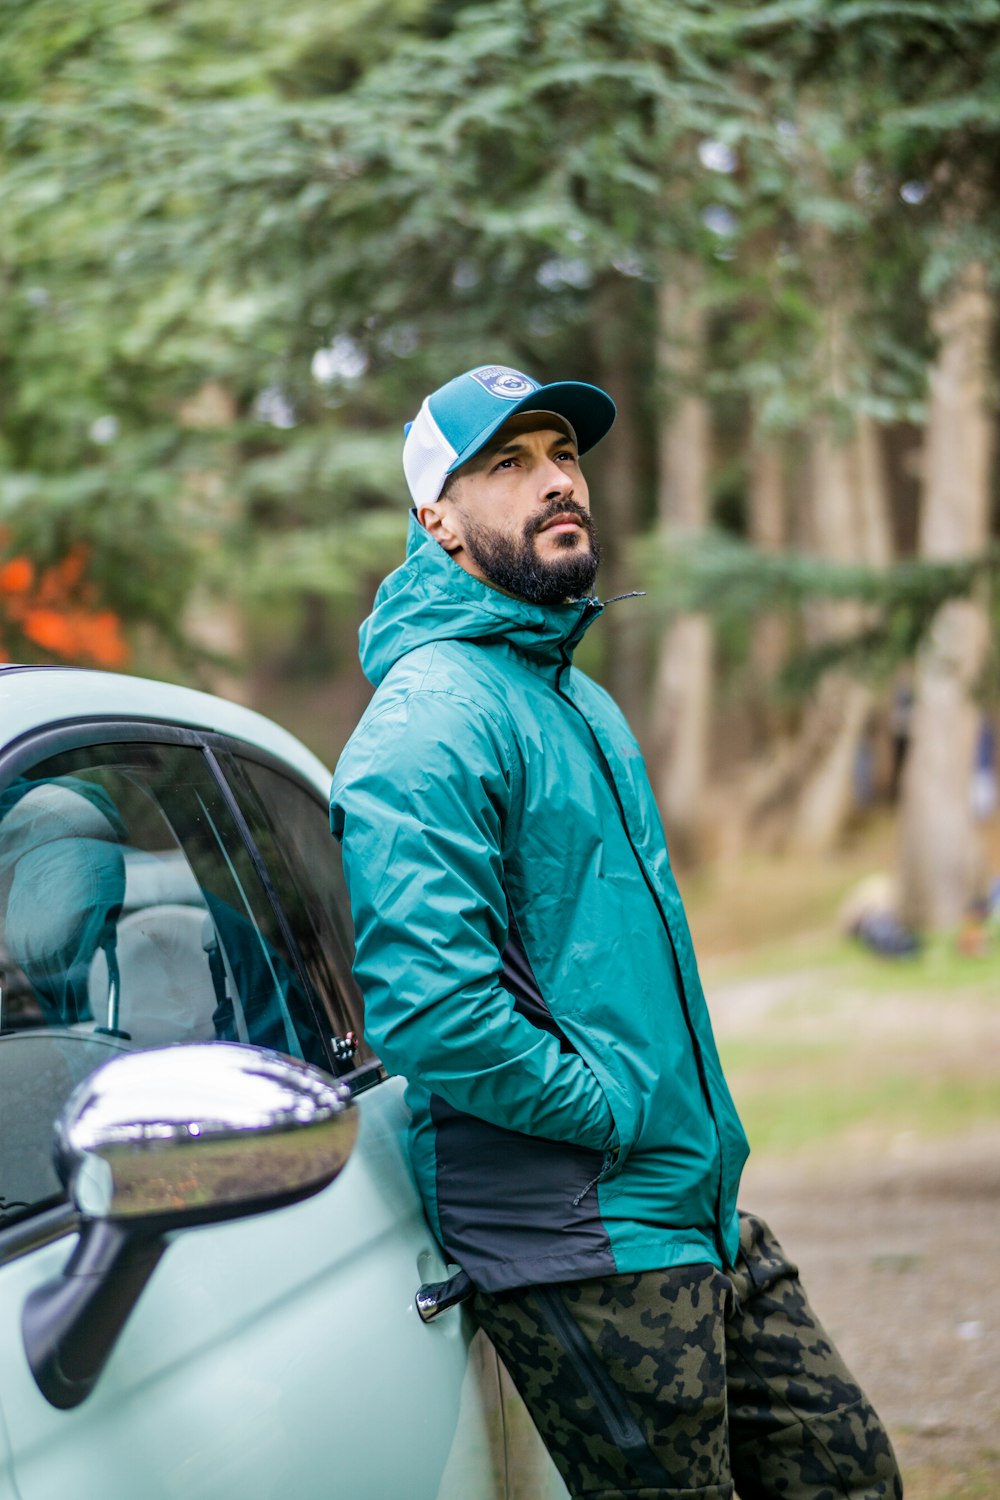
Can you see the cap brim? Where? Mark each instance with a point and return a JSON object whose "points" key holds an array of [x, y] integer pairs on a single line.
{"points": [[589, 411]]}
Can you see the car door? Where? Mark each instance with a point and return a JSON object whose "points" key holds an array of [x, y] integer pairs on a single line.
{"points": [[155, 887], [312, 888]]}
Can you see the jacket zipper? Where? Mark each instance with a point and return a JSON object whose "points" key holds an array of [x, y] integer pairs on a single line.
{"points": [[610, 1157], [695, 1046]]}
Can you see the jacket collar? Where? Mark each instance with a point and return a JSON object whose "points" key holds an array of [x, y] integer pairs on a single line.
{"points": [[430, 598]]}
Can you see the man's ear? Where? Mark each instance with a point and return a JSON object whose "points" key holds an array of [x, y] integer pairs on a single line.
{"points": [[437, 520]]}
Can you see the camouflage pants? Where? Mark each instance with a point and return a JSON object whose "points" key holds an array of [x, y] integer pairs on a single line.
{"points": [[687, 1384]]}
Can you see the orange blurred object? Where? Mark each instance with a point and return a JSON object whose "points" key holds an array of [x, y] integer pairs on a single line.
{"points": [[54, 608], [16, 576]]}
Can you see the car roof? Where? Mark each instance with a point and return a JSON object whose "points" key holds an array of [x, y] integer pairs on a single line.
{"points": [[34, 698]]}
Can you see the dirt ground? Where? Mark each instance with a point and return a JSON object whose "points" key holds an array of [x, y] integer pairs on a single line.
{"points": [[897, 1234], [901, 1260]]}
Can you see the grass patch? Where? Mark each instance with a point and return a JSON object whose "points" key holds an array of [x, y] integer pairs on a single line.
{"points": [[763, 913], [794, 1095], [978, 1480], [844, 963]]}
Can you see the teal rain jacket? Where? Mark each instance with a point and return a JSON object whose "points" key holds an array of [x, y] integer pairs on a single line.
{"points": [[522, 948]]}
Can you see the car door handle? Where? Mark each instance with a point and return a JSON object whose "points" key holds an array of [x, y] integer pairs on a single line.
{"points": [[436, 1297]]}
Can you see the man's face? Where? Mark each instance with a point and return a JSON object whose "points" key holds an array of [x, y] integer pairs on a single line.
{"points": [[517, 515]]}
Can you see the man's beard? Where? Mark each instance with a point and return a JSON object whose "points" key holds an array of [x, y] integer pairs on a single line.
{"points": [[512, 564]]}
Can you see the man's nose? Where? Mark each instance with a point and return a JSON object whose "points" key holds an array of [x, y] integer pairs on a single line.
{"points": [[556, 482]]}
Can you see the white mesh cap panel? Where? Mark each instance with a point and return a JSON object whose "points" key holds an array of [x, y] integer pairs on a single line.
{"points": [[427, 457]]}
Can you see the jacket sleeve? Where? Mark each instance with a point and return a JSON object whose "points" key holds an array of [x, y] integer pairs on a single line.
{"points": [[420, 800]]}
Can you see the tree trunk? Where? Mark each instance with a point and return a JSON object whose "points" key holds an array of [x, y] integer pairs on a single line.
{"points": [[939, 859], [874, 507], [684, 677], [768, 531], [849, 515], [827, 797], [617, 509], [217, 625]]}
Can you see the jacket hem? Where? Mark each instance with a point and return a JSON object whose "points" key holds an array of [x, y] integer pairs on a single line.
{"points": [[546, 1270]]}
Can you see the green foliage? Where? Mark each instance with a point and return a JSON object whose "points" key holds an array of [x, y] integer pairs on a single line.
{"points": [[320, 213], [145, 156], [736, 584], [720, 573]]}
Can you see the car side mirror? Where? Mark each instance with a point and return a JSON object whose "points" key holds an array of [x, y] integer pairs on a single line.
{"points": [[165, 1140]]}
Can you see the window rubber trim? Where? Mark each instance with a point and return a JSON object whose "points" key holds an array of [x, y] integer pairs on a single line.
{"points": [[76, 734], [8, 668], [36, 1230]]}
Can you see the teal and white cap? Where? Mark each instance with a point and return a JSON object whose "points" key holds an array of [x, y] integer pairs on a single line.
{"points": [[459, 418]]}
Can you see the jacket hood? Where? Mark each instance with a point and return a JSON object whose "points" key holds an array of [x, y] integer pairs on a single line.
{"points": [[431, 598]]}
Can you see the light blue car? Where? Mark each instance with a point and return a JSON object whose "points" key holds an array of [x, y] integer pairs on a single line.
{"points": [[210, 1245]]}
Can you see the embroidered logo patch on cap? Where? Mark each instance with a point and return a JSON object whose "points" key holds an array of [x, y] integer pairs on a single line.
{"points": [[501, 380]]}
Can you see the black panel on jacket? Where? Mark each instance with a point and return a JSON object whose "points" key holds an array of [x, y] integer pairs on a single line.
{"points": [[517, 1209]]}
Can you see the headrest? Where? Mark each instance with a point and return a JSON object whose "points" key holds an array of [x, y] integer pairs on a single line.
{"points": [[64, 874], [36, 813]]}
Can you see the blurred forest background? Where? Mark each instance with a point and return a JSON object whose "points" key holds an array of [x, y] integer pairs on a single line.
{"points": [[237, 246]]}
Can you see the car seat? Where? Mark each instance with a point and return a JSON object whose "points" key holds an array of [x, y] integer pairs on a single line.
{"points": [[63, 870]]}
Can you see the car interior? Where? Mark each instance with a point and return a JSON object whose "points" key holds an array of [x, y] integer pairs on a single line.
{"points": [[128, 920]]}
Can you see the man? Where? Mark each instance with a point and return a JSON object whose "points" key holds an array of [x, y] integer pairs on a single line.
{"points": [[526, 963]]}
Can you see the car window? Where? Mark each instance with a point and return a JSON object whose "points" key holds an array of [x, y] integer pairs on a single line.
{"points": [[132, 915], [291, 826]]}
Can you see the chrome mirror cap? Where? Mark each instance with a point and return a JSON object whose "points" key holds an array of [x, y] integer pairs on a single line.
{"points": [[201, 1131], [164, 1140]]}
